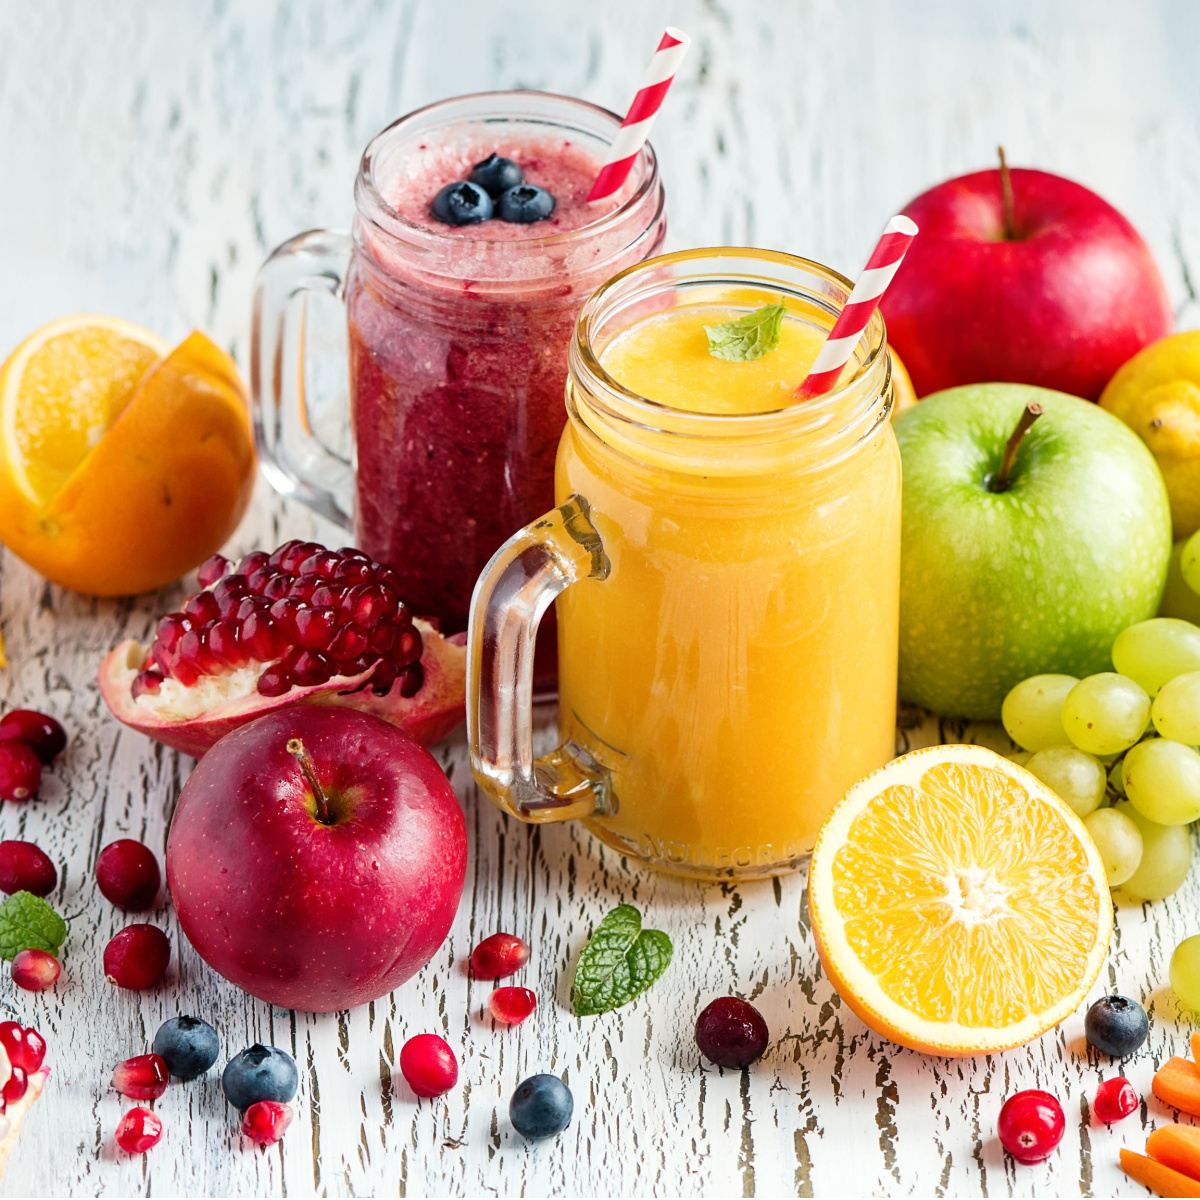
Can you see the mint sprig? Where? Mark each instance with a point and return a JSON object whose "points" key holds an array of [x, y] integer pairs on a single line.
{"points": [[748, 337], [620, 961], [27, 922]]}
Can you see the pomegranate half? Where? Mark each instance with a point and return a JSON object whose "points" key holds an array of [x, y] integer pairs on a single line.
{"points": [[304, 625]]}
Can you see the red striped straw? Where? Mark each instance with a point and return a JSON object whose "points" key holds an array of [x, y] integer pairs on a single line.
{"points": [[881, 267], [635, 129]]}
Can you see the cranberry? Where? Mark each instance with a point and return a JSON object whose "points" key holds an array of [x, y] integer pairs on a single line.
{"points": [[127, 875], [1031, 1125], [20, 771], [212, 569], [25, 1047], [499, 955], [143, 1077], [25, 867], [1115, 1100], [731, 1033], [511, 1005], [138, 1130], [42, 734], [266, 1120], [428, 1064], [16, 1087], [137, 957], [35, 970]]}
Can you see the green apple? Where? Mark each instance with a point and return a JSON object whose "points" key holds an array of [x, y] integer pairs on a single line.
{"points": [[1000, 581]]}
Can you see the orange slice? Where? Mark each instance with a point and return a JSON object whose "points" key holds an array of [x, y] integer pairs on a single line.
{"points": [[959, 907]]}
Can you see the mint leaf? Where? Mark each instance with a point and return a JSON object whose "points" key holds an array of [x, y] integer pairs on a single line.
{"points": [[748, 337], [620, 961], [27, 922]]}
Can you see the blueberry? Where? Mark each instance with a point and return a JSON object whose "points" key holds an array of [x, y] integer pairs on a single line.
{"points": [[496, 175], [461, 204], [187, 1045], [1116, 1025], [541, 1107], [260, 1073], [525, 204]]}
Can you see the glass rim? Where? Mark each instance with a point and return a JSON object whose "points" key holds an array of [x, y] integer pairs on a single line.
{"points": [[371, 204]]}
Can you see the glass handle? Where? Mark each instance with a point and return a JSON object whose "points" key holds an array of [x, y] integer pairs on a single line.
{"points": [[511, 597], [293, 457]]}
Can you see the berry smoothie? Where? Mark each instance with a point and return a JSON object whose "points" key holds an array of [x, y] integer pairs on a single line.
{"points": [[459, 334]]}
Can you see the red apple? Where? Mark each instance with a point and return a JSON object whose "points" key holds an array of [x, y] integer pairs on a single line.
{"points": [[1058, 295], [316, 857]]}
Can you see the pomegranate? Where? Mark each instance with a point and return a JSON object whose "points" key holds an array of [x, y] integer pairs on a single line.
{"points": [[303, 625]]}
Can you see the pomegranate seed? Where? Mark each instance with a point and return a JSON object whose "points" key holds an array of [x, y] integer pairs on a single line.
{"points": [[298, 553], [277, 587], [408, 647], [323, 563], [16, 1087], [348, 643], [211, 569], [20, 771], [315, 626], [412, 680], [511, 1005], [138, 1130], [137, 957], [498, 956], [369, 603], [25, 1047], [225, 644], [42, 734], [1115, 1100], [202, 608], [1031, 1125], [428, 1065], [307, 667], [266, 1120], [285, 611], [128, 876], [229, 592], [170, 629], [35, 970], [256, 560], [143, 1077], [25, 867], [383, 637], [194, 653], [145, 683], [274, 682], [302, 589], [277, 556], [262, 637], [351, 571], [383, 678], [329, 596]]}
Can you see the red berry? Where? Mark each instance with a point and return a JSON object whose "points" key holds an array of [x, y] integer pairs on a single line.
{"points": [[16, 1087], [428, 1064], [499, 955], [732, 1033], [137, 957], [511, 1005], [25, 1047], [143, 1077], [35, 970], [42, 734], [1115, 1100], [20, 771], [266, 1120], [25, 867], [127, 875], [1031, 1125], [138, 1130]]}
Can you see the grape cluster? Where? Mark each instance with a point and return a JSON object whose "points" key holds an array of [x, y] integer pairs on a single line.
{"points": [[1120, 748]]}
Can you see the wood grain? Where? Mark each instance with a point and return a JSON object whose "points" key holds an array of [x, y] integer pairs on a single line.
{"points": [[152, 155]]}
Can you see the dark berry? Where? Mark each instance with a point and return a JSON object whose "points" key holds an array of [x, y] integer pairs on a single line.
{"points": [[188, 1045], [541, 1107], [461, 204], [1115, 1100], [1031, 1125], [1116, 1025], [20, 771], [731, 1033], [260, 1073], [265, 1121], [42, 734], [137, 957], [138, 1130], [525, 204], [495, 175], [25, 867], [127, 875], [428, 1064], [499, 955]]}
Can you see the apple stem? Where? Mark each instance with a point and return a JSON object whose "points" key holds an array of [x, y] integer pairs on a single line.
{"points": [[999, 481], [295, 748], [1006, 192]]}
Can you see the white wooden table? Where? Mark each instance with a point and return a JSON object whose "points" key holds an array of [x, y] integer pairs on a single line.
{"points": [[150, 156]]}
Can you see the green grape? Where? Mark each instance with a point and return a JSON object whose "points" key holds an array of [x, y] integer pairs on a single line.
{"points": [[1176, 711], [1189, 562], [1032, 711], [1116, 777], [1162, 781], [1020, 757], [1155, 651], [1179, 600], [1166, 857], [1077, 778], [1119, 841], [1105, 713], [1185, 972]]}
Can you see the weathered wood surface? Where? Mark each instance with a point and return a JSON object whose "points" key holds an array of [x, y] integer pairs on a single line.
{"points": [[150, 155]]}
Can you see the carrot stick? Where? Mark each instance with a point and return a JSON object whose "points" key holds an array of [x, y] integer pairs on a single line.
{"points": [[1177, 1147], [1177, 1082], [1157, 1177]]}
